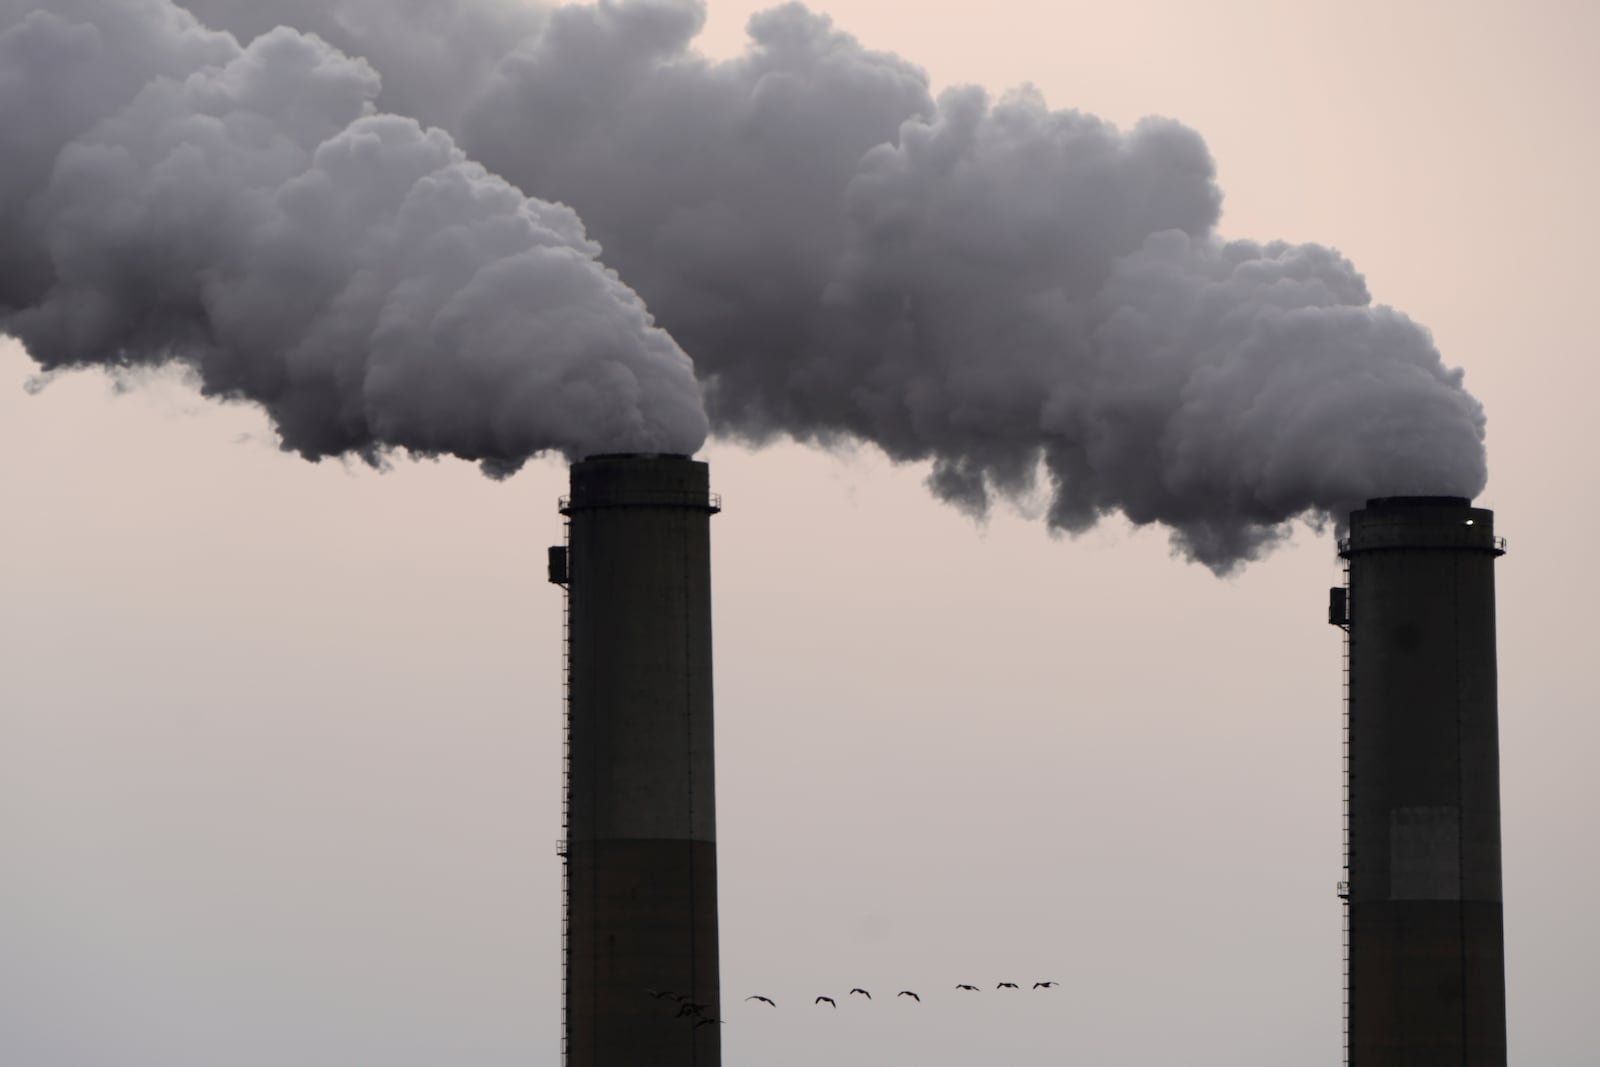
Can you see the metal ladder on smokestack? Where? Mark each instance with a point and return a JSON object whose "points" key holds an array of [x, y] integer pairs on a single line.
{"points": [[1344, 886], [566, 798]]}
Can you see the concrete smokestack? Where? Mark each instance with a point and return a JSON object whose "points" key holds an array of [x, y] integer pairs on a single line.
{"points": [[640, 848], [1425, 983]]}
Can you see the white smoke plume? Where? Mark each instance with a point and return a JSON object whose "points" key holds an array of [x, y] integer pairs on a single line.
{"points": [[1011, 292], [171, 196]]}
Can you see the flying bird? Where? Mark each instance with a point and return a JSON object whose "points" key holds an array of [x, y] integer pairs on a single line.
{"points": [[1045, 985], [829, 1001], [704, 1022], [688, 1008], [971, 987], [764, 1000], [863, 992], [908, 993], [1006, 985], [660, 993]]}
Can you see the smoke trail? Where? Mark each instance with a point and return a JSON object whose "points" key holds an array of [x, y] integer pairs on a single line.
{"points": [[994, 286], [1010, 292], [171, 196], [999, 288]]}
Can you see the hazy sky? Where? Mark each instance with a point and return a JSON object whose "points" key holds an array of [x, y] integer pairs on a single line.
{"points": [[280, 743]]}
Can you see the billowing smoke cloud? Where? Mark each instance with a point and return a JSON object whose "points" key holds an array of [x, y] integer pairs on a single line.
{"points": [[991, 285], [1029, 299], [171, 196], [435, 55]]}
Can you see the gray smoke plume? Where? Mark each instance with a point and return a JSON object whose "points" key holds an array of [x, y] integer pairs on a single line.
{"points": [[1010, 292], [171, 196], [997, 287], [435, 55]]}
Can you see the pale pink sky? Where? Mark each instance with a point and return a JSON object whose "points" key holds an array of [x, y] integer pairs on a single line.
{"points": [[280, 744]]}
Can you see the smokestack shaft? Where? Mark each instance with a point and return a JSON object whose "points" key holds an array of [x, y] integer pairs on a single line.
{"points": [[641, 833], [1426, 980]]}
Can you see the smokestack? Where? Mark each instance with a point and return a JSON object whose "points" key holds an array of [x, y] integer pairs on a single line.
{"points": [[1425, 981], [640, 847]]}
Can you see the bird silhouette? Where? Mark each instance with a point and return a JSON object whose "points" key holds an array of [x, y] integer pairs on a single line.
{"points": [[828, 1000], [661, 993], [971, 987], [764, 1000], [863, 992], [1006, 985], [1045, 985], [908, 993], [705, 1022]]}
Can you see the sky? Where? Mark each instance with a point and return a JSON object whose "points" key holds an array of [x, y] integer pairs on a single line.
{"points": [[281, 764]]}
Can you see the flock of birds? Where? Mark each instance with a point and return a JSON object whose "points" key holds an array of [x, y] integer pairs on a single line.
{"points": [[688, 1009]]}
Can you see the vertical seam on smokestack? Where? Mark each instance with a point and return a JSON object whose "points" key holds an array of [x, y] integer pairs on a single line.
{"points": [[1350, 865], [1461, 806], [592, 817], [688, 733], [566, 800]]}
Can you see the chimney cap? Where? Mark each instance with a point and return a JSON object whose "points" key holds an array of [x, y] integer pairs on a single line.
{"points": [[1387, 502], [1447, 523], [633, 479], [635, 455]]}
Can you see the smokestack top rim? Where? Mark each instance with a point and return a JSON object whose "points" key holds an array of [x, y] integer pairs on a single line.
{"points": [[1384, 503], [599, 456], [1448, 523], [640, 480]]}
